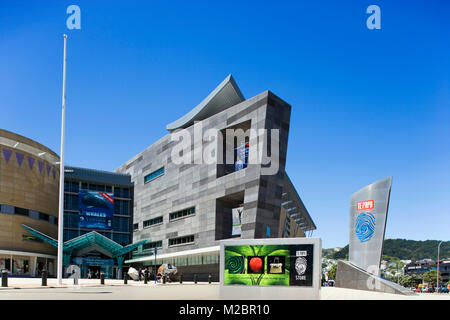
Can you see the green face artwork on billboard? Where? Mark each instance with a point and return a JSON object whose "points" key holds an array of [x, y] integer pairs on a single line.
{"points": [[269, 265]]}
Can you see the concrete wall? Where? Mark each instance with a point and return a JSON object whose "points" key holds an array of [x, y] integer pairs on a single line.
{"points": [[352, 277]]}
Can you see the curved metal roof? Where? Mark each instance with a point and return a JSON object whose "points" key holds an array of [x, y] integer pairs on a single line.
{"points": [[88, 240], [225, 95]]}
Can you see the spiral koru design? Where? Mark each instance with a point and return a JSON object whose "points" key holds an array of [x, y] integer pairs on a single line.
{"points": [[365, 226], [235, 264]]}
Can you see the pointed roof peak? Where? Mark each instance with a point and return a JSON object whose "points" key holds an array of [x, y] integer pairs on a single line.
{"points": [[224, 96]]}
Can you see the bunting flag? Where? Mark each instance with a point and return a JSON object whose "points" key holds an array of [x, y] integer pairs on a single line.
{"points": [[48, 169], [40, 165], [7, 154], [19, 157], [30, 162]]}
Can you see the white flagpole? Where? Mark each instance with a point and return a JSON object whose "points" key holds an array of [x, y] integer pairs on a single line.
{"points": [[61, 173]]}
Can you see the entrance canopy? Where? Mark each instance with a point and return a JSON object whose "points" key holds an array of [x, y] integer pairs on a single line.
{"points": [[88, 242]]}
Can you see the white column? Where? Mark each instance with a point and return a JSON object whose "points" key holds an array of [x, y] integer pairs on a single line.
{"points": [[33, 264]]}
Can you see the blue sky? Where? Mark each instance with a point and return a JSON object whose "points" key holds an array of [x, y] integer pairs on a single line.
{"points": [[366, 104]]}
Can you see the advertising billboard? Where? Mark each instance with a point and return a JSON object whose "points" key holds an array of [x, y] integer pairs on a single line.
{"points": [[368, 214], [236, 221], [269, 265], [241, 157], [95, 210]]}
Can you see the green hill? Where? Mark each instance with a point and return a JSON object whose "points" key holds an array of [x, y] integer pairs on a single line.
{"points": [[401, 249]]}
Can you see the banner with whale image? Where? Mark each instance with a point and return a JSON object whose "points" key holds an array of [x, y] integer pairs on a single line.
{"points": [[96, 210]]}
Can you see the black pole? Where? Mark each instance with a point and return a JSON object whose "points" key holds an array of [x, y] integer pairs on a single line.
{"points": [[209, 278], [44, 278], [181, 278], [125, 278], [164, 279], [102, 278], [4, 278], [145, 276], [195, 278]]}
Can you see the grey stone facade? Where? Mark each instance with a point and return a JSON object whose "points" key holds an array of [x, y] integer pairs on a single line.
{"points": [[207, 187]]}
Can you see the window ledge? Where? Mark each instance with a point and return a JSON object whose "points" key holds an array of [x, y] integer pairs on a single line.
{"points": [[181, 244], [153, 225], [181, 218]]}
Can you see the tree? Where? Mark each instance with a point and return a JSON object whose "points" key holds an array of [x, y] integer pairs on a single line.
{"points": [[405, 281], [431, 277], [410, 281], [332, 272]]}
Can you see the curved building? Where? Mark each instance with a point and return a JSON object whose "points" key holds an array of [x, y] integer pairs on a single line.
{"points": [[29, 182]]}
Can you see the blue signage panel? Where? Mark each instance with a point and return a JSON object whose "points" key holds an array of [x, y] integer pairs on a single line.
{"points": [[93, 261], [95, 210], [241, 157]]}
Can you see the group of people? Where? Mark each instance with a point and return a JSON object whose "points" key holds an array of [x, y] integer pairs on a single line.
{"points": [[92, 275], [151, 275], [141, 273]]}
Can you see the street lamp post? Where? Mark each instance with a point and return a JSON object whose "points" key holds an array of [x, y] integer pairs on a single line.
{"points": [[61, 173], [437, 273], [155, 265]]}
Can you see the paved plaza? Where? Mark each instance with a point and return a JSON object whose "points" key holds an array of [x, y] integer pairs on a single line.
{"points": [[91, 289]]}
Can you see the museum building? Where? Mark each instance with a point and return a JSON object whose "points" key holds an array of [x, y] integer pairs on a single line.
{"points": [[29, 180], [184, 209], [98, 213], [98, 218]]}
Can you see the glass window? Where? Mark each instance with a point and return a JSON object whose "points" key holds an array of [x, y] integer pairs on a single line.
{"points": [[70, 234], [125, 208], [74, 187], [181, 261], [152, 245], [116, 206], [125, 193], [5, 208], [121, 224], [70, 186], [182, 213], [117, 192], [181, 240], [122, 239], [136, 226], [21, 211], [71, 220], [194, 260], [151, 222], [71, 202], [154, 175], [44, 216]]}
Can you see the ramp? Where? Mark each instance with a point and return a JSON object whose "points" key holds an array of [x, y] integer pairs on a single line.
{"points": [[351, 277]]}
